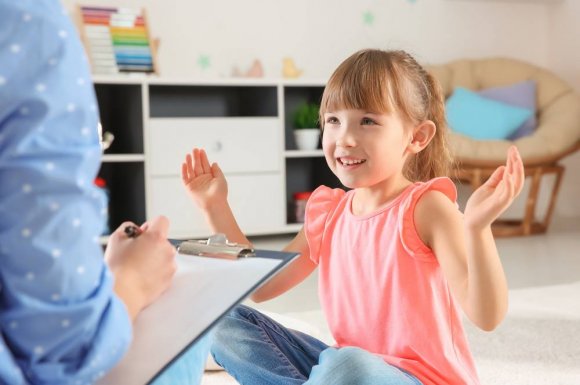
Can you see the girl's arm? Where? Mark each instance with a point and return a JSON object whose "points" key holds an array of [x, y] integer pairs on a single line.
{"points": [[465, 247], [292, 275], [207, 186]]}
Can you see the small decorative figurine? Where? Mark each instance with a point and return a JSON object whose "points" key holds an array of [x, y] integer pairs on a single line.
{"points": [[255, 71], [289, 70]]}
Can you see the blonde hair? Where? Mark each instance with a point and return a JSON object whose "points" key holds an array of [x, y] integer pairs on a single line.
{"points": [[387, 81]]}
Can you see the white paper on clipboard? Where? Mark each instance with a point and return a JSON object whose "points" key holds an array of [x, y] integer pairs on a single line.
{"points": [[204, 289]]}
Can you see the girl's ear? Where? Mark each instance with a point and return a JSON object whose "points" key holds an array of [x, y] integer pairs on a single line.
{"points": [[422, 135]]}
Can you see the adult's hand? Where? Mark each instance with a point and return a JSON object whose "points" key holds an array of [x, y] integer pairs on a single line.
{"points": [[143, 266]]}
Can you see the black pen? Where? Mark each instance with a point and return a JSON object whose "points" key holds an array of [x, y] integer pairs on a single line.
{"points": [[133, 231]]}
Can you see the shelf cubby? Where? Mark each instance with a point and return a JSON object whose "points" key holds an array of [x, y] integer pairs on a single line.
{"points": [[212, 101], [294, 96], [121, 112], [125, 184], [306, 174]]}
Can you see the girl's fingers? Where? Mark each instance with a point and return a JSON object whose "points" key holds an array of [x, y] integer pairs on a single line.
{"points": [[184, 176], [206, 167], [510, 160], [515, 168], [189, 161], [216, 171], [195, 164], [496, 177], [197, 169], [508, 192], [519, 172]]}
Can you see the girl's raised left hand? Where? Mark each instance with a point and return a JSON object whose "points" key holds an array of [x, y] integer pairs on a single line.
{"points": [[205, 183], [490, 200]]}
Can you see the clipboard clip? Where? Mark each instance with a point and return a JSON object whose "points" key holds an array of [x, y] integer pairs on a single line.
{"points": [[216, 246]]}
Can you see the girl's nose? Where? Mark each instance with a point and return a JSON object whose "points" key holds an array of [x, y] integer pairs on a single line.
{"points": [[345, 138]]}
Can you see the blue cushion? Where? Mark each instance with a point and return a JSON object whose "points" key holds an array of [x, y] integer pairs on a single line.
{"points": [[481, 118], [522, 94]]}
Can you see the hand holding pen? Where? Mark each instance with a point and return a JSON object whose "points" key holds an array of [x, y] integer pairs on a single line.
{"points": [[133, 231], [142, 261]]}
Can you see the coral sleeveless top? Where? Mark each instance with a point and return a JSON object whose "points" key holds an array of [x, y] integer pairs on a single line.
{"points": [[382, 288]]}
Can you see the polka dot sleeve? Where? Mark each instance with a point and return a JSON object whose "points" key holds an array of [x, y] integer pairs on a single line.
{"points": [[60, 322]]}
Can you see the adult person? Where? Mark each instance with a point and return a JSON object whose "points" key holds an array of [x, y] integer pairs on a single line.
{"points": [[65, 312]]}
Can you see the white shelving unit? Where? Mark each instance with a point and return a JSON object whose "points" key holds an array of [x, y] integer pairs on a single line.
{"points": [[119, 158], [303, 154], [244, 124]]}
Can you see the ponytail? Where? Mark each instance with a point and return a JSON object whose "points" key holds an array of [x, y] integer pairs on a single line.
{"points": [[434, 160]]}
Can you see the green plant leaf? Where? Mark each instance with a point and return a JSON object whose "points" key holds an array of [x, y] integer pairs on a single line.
{"points": [[306, 116]]}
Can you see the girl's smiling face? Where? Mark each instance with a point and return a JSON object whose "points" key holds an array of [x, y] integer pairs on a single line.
{"points": [[365, 149]]}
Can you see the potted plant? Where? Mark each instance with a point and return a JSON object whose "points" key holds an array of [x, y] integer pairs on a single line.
{"points": [[306, 131]]}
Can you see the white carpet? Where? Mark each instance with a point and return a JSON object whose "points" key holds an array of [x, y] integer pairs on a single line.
{"points": [[537, 344]]}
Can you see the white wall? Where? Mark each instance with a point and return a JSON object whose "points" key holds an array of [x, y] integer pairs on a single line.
{"points": [[318, 34], [564, 37], [564, 59]]}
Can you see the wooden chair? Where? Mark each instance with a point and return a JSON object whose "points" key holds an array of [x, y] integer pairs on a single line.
{"points": [[556, 136], [530, 223]]}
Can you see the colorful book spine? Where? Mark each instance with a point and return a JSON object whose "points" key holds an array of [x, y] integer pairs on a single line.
{"points": [[117, 40]]}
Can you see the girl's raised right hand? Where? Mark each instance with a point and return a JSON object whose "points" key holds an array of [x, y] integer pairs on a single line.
{"points": [[205, 184], [492, 198]]}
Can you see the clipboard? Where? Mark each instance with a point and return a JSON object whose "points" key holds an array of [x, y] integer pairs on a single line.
{"points": [[207, 285]]}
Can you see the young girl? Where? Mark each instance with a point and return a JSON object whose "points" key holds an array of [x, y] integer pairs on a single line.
{"points": [[397, 259]]}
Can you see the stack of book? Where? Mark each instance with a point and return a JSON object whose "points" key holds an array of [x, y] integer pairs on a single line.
{"points": [[116, 40]]}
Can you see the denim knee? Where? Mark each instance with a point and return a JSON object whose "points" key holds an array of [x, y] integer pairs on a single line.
{"points": [[354, 362], [229, 333], [232, 325], [337, 359], [351, 365]]}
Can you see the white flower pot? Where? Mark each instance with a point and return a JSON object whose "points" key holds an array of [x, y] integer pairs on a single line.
{"points": [[307, 138]]}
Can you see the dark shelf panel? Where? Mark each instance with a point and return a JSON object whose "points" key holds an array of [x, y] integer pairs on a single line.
{"points": [[121, 111], [126, 185], [213, 101]]}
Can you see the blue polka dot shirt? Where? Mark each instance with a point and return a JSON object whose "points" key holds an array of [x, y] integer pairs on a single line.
{"points": [[60, 321]]}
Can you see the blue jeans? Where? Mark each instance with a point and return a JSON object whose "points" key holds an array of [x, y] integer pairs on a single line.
{"points": [[256, 350], [188, 368]]}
